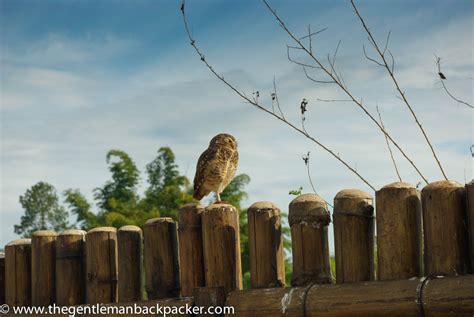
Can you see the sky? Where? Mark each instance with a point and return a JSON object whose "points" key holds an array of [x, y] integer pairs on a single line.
{"points": [[79, 78]]}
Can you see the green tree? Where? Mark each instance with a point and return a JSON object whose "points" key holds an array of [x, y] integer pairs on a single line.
{"points": [[168, 190], [117, 199], [42, 210], [79, 206], [119, 194]]}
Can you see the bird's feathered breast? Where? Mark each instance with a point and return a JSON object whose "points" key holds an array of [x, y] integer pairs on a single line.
{"points": [[215, 169]]}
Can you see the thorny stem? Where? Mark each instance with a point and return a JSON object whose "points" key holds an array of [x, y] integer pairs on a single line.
{"points": [[397, 86], [342, 86], [389, 147], [438, 62], [257, 105]]}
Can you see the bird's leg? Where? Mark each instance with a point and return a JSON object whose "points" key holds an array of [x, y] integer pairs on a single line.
{"points": [[218, 197]]}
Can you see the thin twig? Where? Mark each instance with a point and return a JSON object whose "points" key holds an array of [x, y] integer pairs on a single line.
{"points": [[317, 80], [343, 87], [306, 162], [389, 147], [370, 58], [333, 100], [260, 107], [298, 62], [397, 86], [313, 34], [443, 78], [386, 42]]}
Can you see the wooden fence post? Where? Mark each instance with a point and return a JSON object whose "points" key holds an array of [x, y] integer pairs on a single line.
{"points": [[70, 268], [354, 236], [470, 220], [267, 260], [43, 267], [129, 239], [101, 265], [18, 273], [2, 278], [445, 232], [398, 231], [221, 243], [161, 258], [309, 220], [191, 258]]}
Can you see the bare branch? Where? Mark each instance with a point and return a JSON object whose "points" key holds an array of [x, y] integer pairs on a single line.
{"points": [[443, 78], [389, 147], [333, 100], [310, 39], [335, 54], [264, 109], [316, 80], [392, 68], [397, 86], [370, 58], [276, 99], [343, 87], [297, 62], [386, 42], [314, 33]]}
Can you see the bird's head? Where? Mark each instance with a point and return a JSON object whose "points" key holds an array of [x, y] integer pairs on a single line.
{"points": [[224, 139]]}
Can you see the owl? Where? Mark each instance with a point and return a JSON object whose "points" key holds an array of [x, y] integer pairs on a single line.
{"points": [[216, 166]]}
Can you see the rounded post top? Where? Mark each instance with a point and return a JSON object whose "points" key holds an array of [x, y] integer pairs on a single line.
{"points": [[190, 214], [219, 206], [44, 233], [264, 207], [158, 220], [398, 185], [440, 185], [352, 194], [102, 229], [191, 206], [130, 228], [310, 208], [308, 197], [259, 205], [73, 232], [19, 242]]}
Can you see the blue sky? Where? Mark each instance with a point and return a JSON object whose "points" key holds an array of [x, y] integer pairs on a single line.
{"points": [[79, 78]]}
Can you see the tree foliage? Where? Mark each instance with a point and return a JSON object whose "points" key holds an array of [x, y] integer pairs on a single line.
{"points": [[119, 194], [168, 190], [42, 210], [80, 207]]}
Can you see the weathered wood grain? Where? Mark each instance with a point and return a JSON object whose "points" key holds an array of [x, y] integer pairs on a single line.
{"points": [[354, 236], [129, 239], [445, 231], [309, 220], [101, 265], [191, 257], [398, 231], [161, 258], [221, 242], [70, 268], [43, 268], [267, 259]]}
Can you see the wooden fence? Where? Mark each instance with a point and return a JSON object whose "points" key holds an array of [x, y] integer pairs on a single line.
{"points": [[424, 258]]}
